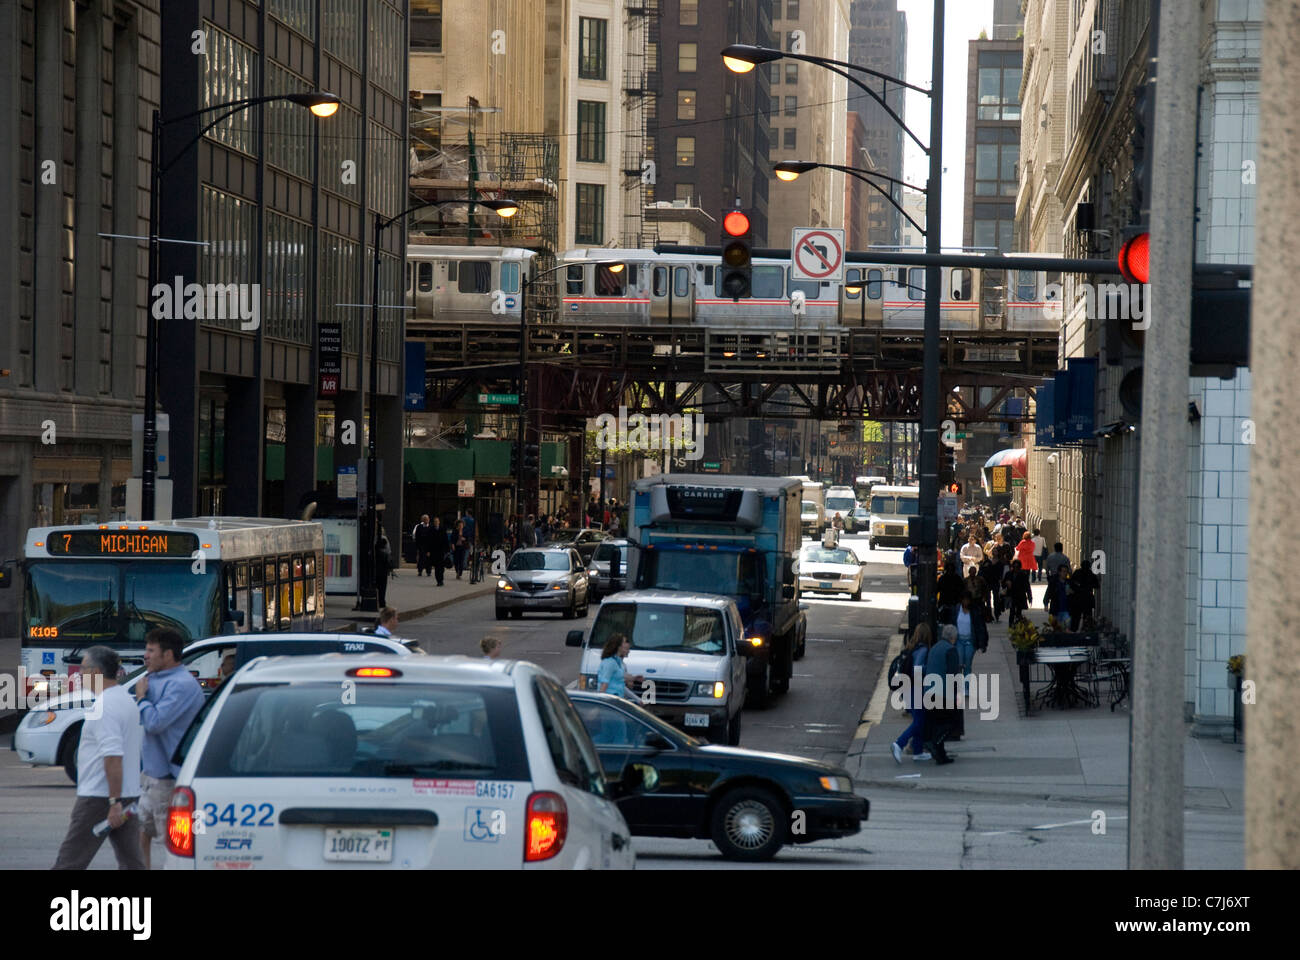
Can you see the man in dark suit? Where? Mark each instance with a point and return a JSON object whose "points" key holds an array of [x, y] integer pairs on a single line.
{"points": [[438, 546], [423, 537], [950, 587]]}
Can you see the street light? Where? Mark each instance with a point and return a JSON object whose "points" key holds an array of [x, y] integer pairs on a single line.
{"points": [[613, 266], [322, 105], [369, 597], [742, 58]]}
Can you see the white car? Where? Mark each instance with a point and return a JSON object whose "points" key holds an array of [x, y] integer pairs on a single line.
{"points": [[830, 570], [49, 736], [368, 762]]}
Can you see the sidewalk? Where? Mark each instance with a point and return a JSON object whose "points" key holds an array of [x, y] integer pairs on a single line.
{"points": [[410, 595], [1079, 754]]}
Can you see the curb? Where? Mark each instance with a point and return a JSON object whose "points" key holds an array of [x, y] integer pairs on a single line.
{"points": [[411, 614]]}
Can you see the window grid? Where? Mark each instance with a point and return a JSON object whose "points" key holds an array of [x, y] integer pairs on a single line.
{"points": [[426, 25], [590, 220], [593, 44], [289, 127], [288, 261], [687, 54], [686, 104], [298, 14], [341, 29], [229, 225], [685, 151], [591, 131], [231, 74]]}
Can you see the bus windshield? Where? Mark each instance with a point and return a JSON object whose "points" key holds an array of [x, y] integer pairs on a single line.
{"points": [[897, 506], [72, 603]]}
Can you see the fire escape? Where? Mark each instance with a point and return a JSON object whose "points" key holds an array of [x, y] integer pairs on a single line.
{"points": [[640, 124]]}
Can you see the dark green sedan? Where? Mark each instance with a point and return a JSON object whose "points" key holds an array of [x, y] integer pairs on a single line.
{"points": [[750, 804]]}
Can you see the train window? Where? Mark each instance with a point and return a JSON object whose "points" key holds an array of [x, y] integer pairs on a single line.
{"points": [[632, 276], [409, 274], [961, 284], [510, 277], [852, 277], [811, 288], [611, 284], [916, 283], [1026, 285], [708, 276], [573, 281], [681, 282], [426, 277], [475, 276], [659, 281], [875, 280], [767, 282]]}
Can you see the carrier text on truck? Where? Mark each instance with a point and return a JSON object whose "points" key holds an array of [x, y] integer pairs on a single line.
{"points": [[734, 536]]}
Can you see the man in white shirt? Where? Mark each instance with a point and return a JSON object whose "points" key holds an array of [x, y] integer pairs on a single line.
{"points": [[387, 622], [108, 770], [972, 554], [1040, 553]]}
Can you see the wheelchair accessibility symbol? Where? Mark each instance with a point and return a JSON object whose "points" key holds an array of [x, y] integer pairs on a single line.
{"points": [[484, 824]]}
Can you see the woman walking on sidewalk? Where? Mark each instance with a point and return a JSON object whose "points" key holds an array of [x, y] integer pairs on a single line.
{"points": [[919, 648]]}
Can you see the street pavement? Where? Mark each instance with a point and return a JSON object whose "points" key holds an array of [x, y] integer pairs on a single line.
{"points": [[1024, 793]]}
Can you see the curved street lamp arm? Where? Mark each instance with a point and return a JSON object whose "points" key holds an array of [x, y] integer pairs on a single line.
{"points": [[883, 192], [827, 61], [832, 66]]}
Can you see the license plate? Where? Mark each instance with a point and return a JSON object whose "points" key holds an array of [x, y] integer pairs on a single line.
{"points": [[372, 846], [697, 719], [825, 585]]}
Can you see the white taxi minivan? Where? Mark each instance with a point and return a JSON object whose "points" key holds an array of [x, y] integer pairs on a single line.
{"points": [[363, 762]]}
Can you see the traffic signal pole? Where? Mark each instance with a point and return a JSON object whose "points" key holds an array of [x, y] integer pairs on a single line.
{"points": [[926, 562], [1157, 735], [1272, 777]]}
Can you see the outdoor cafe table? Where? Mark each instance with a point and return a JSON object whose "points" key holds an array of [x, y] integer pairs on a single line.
{"points": [[1063, 691]]}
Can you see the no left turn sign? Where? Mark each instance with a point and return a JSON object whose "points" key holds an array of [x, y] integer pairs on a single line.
{"points": [[817, 254]]}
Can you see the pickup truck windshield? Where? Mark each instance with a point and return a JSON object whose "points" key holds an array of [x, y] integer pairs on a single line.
{"points": [[662, 627], [808, 507]]}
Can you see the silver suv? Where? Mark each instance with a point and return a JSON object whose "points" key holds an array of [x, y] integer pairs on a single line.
{"points": [[543, 578], [607, 569]]}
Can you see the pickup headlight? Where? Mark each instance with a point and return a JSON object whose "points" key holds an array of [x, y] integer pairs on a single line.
{"points": [[711, 688], [837, 784], [504, 584]]}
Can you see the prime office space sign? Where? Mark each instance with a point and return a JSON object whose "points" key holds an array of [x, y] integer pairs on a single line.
{"points": [[329, 354]]}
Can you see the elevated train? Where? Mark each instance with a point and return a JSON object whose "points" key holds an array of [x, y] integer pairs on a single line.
{"points": [[461, 284]]}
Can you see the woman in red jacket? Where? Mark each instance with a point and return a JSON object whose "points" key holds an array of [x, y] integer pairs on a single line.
{"points": [[1025, 553]]}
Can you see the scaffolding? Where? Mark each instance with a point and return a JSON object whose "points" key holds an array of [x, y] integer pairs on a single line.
{"points": [[641, 83]]}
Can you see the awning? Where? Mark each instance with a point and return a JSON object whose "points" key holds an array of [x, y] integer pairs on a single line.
{"points": [[1015, 458]]}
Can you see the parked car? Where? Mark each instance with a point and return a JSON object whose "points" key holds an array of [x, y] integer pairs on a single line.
{"points": [[677, 786], [607, 569], [830, 570], [691, 649], [584, 540], [49, 736], [543, 578], [429, 762]]}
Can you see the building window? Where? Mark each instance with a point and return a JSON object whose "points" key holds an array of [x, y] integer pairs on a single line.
{"points": [[688, 14], [776, 10], [776, 73], [791, 138], [792, 106], [686, 55], [591, 131], [426, 25], [997, 157], [685, 151], [592, 44], [776, 39], [998, 85], [792, 10], [685, 104], [792, 73], [590, 225], [685, 191]]}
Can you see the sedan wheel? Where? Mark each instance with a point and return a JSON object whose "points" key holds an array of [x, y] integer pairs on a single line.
{"points": [[733, 731], [571, 610], [748, 824], [857, 594], [501, 613], [69, 750]]}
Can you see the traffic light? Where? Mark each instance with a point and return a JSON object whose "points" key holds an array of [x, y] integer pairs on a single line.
{"points": [[532, 460], [1134, 258], [737, 242], [954, 487], [514, 459]]}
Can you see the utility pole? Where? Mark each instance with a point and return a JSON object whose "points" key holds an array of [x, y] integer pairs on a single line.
{"points": [[1272, 780], [1156, 740]]}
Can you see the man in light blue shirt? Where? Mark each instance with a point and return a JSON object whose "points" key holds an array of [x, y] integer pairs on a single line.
{"points": [[168, 697]]}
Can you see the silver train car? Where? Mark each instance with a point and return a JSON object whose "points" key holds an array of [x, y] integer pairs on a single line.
{"points": [[453, 284]]}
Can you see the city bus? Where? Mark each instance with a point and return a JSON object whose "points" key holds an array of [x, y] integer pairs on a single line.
{"points": [[112, 583], [890, 508]]}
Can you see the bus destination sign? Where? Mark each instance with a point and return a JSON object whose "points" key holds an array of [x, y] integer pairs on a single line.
{"points": [[121, 543]]}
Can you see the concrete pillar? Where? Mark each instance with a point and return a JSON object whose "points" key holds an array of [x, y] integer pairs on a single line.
{"points": [[1155, 835], [388, 445], [300, 446], [245, 447], [1272, 648]]}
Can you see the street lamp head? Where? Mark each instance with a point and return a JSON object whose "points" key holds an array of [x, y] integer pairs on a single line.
{"points": [[503, 208], [743, 57], [321, 104], [790, 169]]}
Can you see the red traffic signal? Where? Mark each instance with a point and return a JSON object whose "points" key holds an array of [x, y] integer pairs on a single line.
{"points": [[1134, 258], [736, 223]]}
